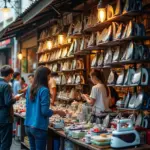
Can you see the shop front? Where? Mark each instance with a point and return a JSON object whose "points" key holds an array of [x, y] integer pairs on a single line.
{"points": [[6, 50], [111, 38]]}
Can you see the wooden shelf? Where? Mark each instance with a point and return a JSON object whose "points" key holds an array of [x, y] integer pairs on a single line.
{"points": [[126, 86], [47, 38], [75, 70], [122, 41], [56, 60], [121, 18], [53, 49], [130, 109], [72, 84], [26, 146]]}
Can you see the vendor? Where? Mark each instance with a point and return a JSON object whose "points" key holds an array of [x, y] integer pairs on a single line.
{"points": [[53, 87], [99, 97]]}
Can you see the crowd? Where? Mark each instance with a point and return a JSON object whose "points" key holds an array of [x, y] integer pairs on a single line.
{"points": [[40, 94]]}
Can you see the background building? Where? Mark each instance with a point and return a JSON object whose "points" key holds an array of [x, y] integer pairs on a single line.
{"points": [[9, 47]]}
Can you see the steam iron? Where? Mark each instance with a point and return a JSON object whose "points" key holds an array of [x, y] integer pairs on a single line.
{"points": [[127, 99], [118, 9], [132, 5], [116, 55], [100, 59], [115, 26], [124, 136], [112, 78], [132, 101], [94, 61], [121, 78], [108, 57], [119, 32], [141, 77], [129, 76], [141, 101], [110, 12]]}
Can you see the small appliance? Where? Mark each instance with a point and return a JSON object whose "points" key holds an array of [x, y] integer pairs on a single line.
{"points": [[125, 135]]}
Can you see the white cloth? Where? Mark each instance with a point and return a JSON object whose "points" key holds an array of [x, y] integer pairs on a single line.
{"points": [[101, 99]]}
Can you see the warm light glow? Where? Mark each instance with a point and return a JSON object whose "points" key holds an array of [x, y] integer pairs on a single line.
{"points": [[69, 40], [20, 56], [102, 14], [5, 12], [49, 44], [61, 39]]}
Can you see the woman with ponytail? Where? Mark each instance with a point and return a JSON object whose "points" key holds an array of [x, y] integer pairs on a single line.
{"points": [[99, 97]]}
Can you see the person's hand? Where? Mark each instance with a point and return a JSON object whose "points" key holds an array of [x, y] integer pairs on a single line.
{"points": [[61, 113], [85, 96], [17, 97]]}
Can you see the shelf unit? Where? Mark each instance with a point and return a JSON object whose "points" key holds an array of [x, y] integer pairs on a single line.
{"points": [[123, 18]]}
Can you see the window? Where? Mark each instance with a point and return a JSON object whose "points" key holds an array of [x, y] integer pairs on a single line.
{"points": [[29, 61]]}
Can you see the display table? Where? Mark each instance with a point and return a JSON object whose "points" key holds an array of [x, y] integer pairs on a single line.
{"points": [[79, 144]]}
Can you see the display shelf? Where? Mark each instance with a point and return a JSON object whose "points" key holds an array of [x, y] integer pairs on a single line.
{"points": [[53, 49], [56, 60], [26, 146], [126, 86], [122, 41], [74, 70], [121, 18], [47, 38], [71, 84], [130, 109]]}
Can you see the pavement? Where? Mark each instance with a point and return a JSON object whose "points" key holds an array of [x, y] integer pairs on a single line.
{"points": [[15, 145]]}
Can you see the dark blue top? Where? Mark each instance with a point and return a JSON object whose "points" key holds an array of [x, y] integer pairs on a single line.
{"points": [[6, 102], [37, 110]]}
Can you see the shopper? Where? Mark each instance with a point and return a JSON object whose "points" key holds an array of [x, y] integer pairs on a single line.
{"points": [[37, 110], [23, 83], [99, 97], [31, 78], [53, 88], [6, 107], [16, 83]]}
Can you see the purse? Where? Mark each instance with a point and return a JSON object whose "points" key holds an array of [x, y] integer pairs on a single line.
{"points": [[100, 59], [129, 76], [121, 78], [94, 61], [78, 28]]}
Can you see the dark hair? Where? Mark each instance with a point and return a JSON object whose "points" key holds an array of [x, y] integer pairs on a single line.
{"points": [[6, 70], [54, 74], [22, 78], [100, 76], [31, 75], [16, 74], [40, 79]]}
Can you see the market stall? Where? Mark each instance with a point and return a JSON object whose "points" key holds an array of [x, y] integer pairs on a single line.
{"points": [[112, 37]]}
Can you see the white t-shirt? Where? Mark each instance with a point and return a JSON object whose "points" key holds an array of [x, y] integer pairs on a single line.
{"points": [[101, 99]]}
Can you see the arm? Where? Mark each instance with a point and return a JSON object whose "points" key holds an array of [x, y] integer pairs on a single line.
{"points": [[89, 99], [9, 100], [54, 92], [45, 103]]}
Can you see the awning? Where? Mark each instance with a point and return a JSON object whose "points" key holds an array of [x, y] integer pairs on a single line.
{"points": [[36, 9]]}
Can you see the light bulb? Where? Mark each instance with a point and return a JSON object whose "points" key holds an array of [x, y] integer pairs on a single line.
{"points": [[20, 56], [49, 44], [61, 39], [69, 40], [102, 14], [5, 11]]}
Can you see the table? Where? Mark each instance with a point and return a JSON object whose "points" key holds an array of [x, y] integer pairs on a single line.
{"points": [[79, 144]]}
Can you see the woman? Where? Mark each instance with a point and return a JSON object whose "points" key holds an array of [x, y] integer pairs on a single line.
{"points": [[23, 83], [99, 97], [37, 110]]}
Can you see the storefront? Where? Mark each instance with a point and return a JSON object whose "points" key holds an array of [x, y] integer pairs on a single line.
{"points": [[113, 38], [6, 49]]}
